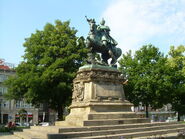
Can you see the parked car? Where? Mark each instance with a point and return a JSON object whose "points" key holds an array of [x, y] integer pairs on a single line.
{"points": [[44, 124], [17, 124], [22, 124]]}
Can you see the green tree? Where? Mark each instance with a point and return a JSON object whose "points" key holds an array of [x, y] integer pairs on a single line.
{"points": [[148, 78], [176, 61], [51, 61]]}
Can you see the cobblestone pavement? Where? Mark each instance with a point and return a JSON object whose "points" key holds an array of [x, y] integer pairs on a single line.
{"points": [[8, 136]]}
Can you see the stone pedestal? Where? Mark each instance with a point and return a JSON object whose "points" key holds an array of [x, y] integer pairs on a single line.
{"points": [[97, 90]]}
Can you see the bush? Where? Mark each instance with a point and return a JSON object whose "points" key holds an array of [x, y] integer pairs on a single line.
{"points": [[4, 129]]}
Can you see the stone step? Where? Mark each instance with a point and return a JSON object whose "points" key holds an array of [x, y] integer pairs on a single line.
{"points": [[53, 129], [95, 128], [112, 131], [107, 127], [37, 133], [115, 121], [163, 136], [112, 115], [130, 135], [24, 135], [117, 131]]}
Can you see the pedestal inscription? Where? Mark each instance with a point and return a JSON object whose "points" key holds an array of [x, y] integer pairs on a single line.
{"points": [[108, 91]]}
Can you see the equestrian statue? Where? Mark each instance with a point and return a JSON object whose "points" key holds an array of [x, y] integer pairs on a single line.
{"points": [[100, 42]]}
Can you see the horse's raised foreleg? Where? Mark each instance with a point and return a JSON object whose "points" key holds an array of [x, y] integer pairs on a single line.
{"points": [[114, 59], [105, 58]]}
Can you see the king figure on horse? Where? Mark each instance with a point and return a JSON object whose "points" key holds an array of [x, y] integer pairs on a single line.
{"points": [[100, 41]]}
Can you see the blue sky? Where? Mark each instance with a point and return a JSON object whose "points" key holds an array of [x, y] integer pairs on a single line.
{"points": [[20, 18], [133, 23]]}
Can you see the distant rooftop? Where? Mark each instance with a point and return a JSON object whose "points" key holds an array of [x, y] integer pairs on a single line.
{"points": [[6, 66]]}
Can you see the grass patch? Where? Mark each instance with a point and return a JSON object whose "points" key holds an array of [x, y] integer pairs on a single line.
{"points": [[6, 129], [20, 128]]}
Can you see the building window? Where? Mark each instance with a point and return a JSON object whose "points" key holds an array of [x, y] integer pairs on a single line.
{"points": [[1, 101], [18, 104], [3, 90], [5, 104], [3, 77], [23, 104]]}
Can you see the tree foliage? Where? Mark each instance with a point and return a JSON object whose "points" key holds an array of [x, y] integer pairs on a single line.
{"points": [[176, 61], [148, 77], [50, 63]]}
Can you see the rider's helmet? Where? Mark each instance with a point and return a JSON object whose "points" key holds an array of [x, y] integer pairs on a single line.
{"points": [[102, 22]]}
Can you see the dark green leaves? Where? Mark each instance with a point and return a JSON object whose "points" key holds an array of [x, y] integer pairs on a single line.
{"points": [[146, 72], [50, 63]]}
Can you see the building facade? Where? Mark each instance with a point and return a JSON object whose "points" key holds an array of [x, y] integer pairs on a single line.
{"points": [[10, 109]]}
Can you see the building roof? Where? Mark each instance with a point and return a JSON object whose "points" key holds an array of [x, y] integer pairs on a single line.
{"points": [[6, 66]]}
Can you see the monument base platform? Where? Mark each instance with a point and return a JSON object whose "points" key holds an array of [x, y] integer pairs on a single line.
{"points": [[98, 99], [99, 113]]}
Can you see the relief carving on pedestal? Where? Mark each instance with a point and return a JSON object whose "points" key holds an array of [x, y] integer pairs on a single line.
{"points": [[99, 75], [78, 92]]}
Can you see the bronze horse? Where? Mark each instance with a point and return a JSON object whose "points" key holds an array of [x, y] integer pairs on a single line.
{"points": [[95, 45]]}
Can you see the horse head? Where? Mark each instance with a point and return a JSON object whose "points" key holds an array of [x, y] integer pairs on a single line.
{"points": [[93, 27]]}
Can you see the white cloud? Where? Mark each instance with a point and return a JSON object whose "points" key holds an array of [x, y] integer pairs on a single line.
{"points": [[134, 23]]}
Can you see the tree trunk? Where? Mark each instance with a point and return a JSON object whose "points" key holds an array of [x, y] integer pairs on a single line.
{"points": [[147, 114], [60, 113], [178, 117]]}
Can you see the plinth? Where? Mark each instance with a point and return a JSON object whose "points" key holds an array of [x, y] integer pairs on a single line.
{"points": [[97, 90]]}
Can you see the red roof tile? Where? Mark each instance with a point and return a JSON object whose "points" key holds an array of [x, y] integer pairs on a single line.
{"points": [[4, 67]]}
